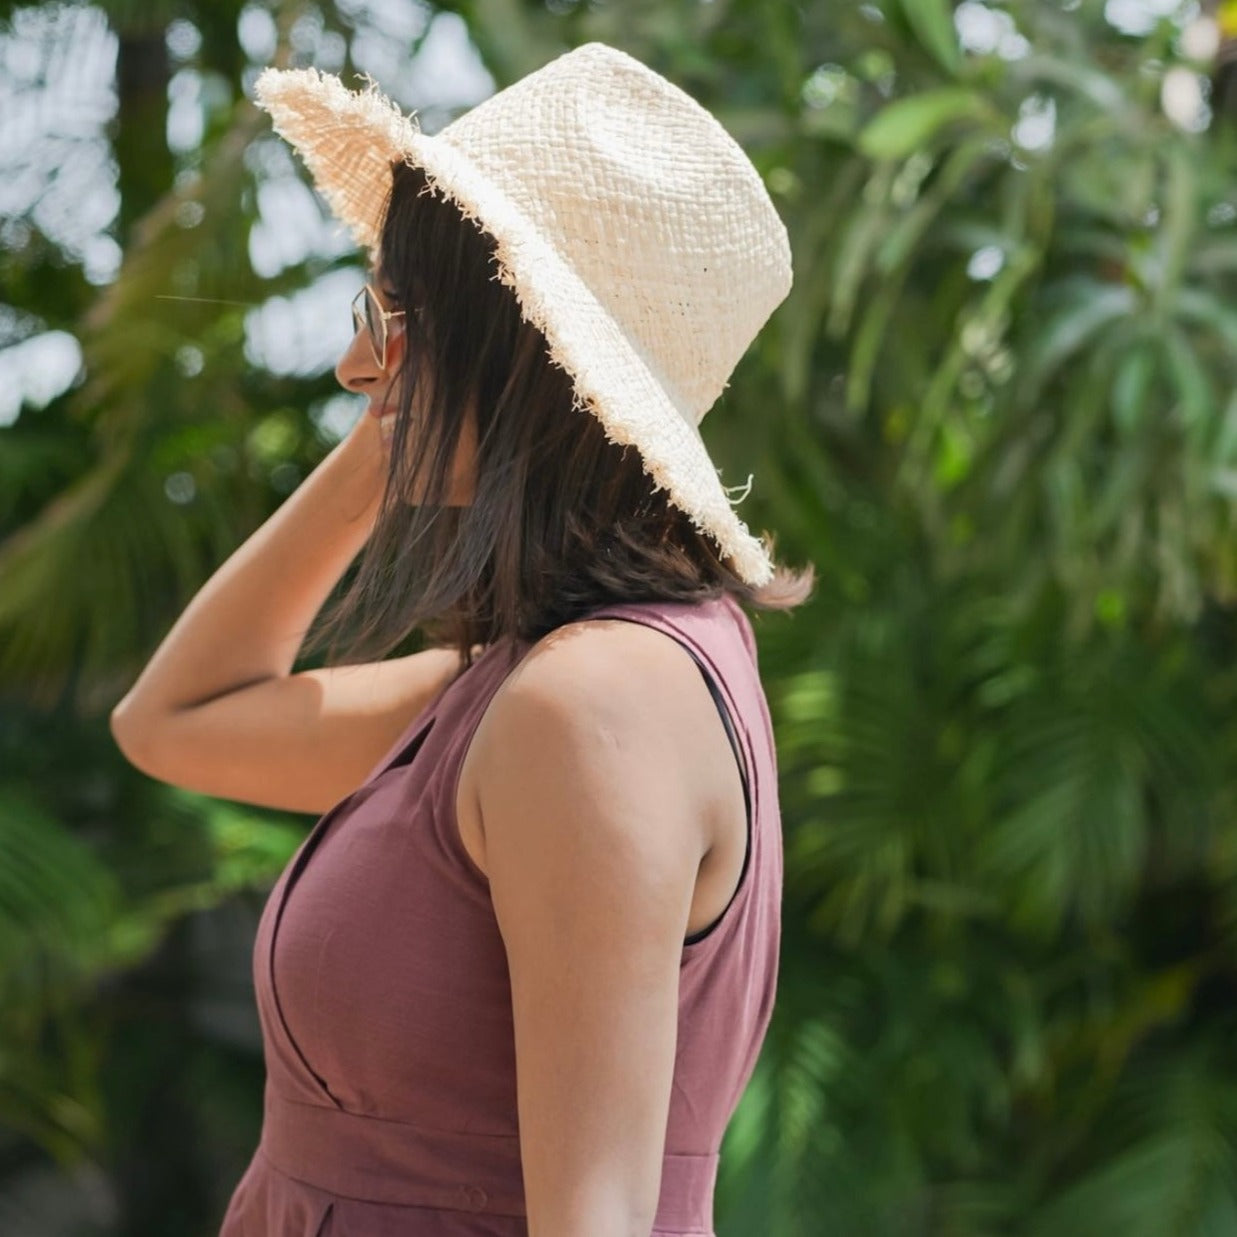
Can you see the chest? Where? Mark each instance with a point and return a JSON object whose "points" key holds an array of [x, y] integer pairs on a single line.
{"points": [[381, 974]]}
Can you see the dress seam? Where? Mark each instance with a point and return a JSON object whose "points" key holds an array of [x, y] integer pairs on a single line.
{"points": [[410, 1125]]}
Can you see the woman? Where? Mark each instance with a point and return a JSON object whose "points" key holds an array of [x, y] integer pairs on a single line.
{"points": [[516, 978]]}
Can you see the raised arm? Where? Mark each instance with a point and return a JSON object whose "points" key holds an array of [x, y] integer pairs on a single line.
{"points": [[216, 708]]}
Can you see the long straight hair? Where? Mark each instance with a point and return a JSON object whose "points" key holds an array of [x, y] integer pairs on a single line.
{"points": [[563, 520]]}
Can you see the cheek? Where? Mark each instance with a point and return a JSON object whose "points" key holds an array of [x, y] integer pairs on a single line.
{"points": [[396, 344], [395, 370], [391, 394]]}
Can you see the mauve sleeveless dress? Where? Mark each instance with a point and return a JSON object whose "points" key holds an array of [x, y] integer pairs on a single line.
{"points": [[385, 1004]]}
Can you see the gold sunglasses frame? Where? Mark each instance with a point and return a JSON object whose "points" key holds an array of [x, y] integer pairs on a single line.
{"points": [[360, 320]]}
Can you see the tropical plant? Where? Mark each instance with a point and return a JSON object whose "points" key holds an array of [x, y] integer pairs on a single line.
{"points": [[996, 411]]}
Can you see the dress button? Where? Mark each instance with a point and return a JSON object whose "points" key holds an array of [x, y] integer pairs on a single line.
{"points": [[475, 1197]]}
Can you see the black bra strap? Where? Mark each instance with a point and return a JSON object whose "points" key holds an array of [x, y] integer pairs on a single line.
{"points": [[719, 701], [715, 692]]}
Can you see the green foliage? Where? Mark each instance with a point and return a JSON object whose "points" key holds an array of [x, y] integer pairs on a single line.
{"points": [[997, 412], [81, 907]]}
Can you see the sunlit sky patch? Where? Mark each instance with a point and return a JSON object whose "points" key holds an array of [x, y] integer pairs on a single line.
{"points": [[58, 98], [1139, 17], [983, 30], [36, 370]]}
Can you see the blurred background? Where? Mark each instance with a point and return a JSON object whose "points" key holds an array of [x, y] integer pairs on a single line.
{"points": [[998, 411]]}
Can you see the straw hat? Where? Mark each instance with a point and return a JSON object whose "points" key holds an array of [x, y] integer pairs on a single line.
{"points": [[632, 228]]}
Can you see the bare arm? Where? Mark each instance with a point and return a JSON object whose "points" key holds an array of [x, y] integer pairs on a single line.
{"points": [[216, 708], [248, 621], [590, 787]]}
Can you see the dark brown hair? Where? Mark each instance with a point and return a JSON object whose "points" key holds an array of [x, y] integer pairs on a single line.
{"points": [[563, 521]]}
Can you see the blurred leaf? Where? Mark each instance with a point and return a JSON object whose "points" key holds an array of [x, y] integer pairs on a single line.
{"points": [[1087, 307], [908, 124], [933, 24]]}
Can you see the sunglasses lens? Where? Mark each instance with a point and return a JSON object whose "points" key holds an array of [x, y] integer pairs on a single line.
{"points": [[377, 325]]}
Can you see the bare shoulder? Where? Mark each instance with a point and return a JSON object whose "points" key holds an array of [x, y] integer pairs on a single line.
{"points": [[606, 710], [623, 679]]}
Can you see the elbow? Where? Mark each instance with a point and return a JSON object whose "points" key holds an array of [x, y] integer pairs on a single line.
{"points": [[618, 1218], [634, 1223], [118, 724], [130, 732]]}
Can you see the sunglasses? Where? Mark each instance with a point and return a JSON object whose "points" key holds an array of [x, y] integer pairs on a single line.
{"points": [[369, 316]]}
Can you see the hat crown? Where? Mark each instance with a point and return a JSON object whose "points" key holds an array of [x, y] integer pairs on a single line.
{"points": [[655, 206]]}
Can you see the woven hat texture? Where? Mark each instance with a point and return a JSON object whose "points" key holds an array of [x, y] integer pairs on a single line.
{"points": [[632, 228]]}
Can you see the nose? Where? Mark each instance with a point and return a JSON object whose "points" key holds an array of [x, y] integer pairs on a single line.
{"points": [[356, 370]]}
